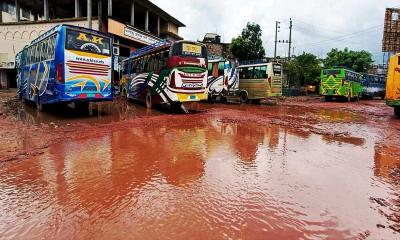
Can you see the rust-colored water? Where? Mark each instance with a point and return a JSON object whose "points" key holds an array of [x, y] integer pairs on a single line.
{"points": [[207, 177]]}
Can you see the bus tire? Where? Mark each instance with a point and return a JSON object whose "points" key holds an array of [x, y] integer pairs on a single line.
{"points": [[397, 111], [243, 97], [148, 100], [223, 100], [82, 106], [256, 101], [328, 98]]}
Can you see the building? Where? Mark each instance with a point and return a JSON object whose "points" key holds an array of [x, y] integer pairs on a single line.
{"points": [[215, 47], [132, 23]]}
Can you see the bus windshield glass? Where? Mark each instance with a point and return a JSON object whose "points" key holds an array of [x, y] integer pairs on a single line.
{"points": [[87, 42], [332, 72], [184, 49]]}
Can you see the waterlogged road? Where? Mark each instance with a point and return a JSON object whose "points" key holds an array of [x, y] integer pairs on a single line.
{"points": [[302, 169]]}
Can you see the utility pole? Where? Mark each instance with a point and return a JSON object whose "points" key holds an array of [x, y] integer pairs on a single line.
{"points": [[290, 38], [276, 37]]}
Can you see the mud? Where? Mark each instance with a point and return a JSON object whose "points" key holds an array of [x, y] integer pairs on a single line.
{"points": [[298, 168]]}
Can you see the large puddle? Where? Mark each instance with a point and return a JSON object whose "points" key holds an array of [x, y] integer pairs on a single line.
{"points": [[208, 180], [220, 173]]}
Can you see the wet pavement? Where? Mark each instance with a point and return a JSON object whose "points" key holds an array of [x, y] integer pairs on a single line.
{"points": [[298, 169]]}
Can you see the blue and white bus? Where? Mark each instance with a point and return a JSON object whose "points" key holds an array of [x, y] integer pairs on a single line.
{"points": [[67, 64], [373, 86]]}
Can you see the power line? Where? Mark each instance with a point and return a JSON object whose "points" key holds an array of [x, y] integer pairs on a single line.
{"points": [[373, 28]]}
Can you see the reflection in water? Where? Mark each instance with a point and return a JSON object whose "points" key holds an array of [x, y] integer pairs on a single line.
{"points": [[104, 112], [207, 180]]}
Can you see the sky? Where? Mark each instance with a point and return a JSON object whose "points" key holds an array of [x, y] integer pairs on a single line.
{"points": [[318, 25]]}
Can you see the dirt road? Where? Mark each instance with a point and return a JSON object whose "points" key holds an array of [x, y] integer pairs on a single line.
{"points": [[298, 168]]}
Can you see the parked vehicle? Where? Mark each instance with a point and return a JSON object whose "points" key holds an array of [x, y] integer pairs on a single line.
{"points": [[167, 73], [393, 84], [66, 64], [340, 82], [373, 86], [257, 81], [222, 76]]}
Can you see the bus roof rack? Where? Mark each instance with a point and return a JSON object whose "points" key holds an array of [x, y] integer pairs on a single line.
{"points": [[250, 62], [153, 46]]}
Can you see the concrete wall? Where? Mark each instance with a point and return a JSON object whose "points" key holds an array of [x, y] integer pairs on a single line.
{"points": [[13, 37]]}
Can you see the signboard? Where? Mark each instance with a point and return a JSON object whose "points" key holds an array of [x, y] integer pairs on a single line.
{"points": [[131, 33], [391, 34]]}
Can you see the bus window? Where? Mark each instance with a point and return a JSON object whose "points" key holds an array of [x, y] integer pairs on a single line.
{"points": [[215, 70], [277, 68], [81, 41], [246, 73], [210, 67], [260, 72], [221, 67]]}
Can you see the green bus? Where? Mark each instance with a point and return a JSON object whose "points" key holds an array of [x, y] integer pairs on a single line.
{"points": [[340, 83]]}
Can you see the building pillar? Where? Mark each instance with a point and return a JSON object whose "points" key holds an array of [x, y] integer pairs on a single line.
{"points": [[158, 26], [46, 9], [17, 11], [110, 8], [146, 21], [100, 14], [89, 14], [1, 11], [133, 13], [78, 12]]}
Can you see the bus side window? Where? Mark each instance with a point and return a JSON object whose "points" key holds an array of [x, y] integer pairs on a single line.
{"points": [[221, 68], [210, 69], [250, 73]]}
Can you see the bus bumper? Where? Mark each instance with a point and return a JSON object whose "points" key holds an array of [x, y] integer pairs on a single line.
{"points": [[393, 103], [183, 97]]}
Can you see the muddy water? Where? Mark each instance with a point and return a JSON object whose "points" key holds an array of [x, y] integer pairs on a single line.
{"points": [[206, 176]]}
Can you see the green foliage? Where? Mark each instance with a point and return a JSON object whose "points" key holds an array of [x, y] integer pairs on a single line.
{"points": [[359, 61], [248, 46], [304, 69]]}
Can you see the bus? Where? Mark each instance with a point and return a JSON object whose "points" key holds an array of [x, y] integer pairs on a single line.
{"points": [[222, 76], [67, 64], [393, 84], [373, 86], [340, 82], [258, 80], [167, 73]]}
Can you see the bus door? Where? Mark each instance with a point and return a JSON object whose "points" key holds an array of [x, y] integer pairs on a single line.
{"points": [[277, 80], [393, 80]]}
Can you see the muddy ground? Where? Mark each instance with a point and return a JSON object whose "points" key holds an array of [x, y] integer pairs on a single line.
{"points": [[290, 168]]}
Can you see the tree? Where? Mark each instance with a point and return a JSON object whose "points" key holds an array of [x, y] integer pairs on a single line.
{"points": [[248, 46], [304, 69], [359, 61]]}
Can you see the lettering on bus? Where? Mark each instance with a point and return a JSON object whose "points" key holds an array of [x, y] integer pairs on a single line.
{"points": [[95, 39]]}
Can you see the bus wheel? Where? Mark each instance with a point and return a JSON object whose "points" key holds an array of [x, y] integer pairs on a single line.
{"points": [[256, 101], [148, 100], [82, 106], [328, 98], [243, 97], [223, 100], [397, 111]]}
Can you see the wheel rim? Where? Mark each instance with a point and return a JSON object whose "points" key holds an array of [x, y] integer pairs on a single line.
{"points": [[243, 98]]}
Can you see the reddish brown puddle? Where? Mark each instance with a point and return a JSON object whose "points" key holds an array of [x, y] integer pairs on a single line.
{"points": [[209, 175]]}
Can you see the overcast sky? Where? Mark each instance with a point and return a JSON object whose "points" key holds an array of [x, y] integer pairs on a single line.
{"points": [[318, 25]]}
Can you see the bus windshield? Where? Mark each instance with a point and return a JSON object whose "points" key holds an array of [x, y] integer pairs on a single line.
{"points": [[184, 49], [331, 72], [87, 42]]}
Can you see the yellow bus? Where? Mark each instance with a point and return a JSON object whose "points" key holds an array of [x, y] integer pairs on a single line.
{"points": [[393, 84], [259, 81]]}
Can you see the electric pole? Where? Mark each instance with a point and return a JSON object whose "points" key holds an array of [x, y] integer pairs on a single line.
{"points": [[276, 37], [290, 39]]}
